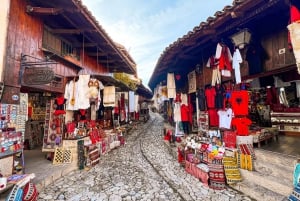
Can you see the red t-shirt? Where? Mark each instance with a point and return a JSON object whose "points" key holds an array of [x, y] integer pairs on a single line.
{"points": [[184, 109], [294, 13], [210, 94], [241, 125], [239, 102], [213, 117]]}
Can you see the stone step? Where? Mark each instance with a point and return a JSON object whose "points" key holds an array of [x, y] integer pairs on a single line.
{"points": [[272, 183], [272, 178], [275, 165], [258, 192]]}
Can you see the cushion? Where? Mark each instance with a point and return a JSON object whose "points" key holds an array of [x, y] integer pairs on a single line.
{"points": [[30, 192]]}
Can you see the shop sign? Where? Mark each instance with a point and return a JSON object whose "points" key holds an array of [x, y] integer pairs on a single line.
{"points": [[37, 76]]}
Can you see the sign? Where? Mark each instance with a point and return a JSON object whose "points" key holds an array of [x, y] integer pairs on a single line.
{"points": [[37, 76]]}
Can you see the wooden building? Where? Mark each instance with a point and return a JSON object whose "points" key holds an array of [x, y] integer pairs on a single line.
{"points": [[262, 28]]}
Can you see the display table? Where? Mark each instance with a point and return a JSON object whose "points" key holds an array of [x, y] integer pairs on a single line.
{"points": [[264, 135], [192, 169]]}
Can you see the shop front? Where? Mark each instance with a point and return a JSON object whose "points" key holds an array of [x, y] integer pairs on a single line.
{"points": [[246, 102], [58, 97]]}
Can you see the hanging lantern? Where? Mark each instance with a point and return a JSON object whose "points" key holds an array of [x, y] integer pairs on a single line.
{"points": [[241, 38]]}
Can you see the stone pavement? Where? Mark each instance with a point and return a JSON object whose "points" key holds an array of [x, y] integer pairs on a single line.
{"points": [[144, 169]]}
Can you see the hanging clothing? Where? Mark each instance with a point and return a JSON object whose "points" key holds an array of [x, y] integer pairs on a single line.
{"points": [[236, 61], [71, 93], [216, 77], [212, 62], [201, 100], [239, 102], [224, 55], [177, 112], [241, 125], [184, 109], [83, 97], [109, 96], [60, 105], [185, 118], [225, 118], [210, 94], [213, 117], [184, 99], [171, 85], [192, 82], [131, 100], [219, 98], [295, 11]]}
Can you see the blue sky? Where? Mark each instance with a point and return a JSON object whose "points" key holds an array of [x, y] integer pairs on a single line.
{"points": [[147, 27]]}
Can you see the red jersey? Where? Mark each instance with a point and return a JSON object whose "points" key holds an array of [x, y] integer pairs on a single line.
{"points": [[184, 109], [213, 117], [239, 102], [241, 125], [210, 94]]}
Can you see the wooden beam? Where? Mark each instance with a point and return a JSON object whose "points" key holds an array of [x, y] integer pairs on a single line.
{"points": [[94, 54], [85, 44], [106, 61], [43, 11], [71, 31]]}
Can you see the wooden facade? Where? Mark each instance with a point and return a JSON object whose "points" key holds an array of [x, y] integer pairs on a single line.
{"points": [[28, 45]]}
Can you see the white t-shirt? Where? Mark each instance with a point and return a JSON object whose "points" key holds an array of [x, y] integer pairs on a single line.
{"points": [[236, 60], [225, 117]]}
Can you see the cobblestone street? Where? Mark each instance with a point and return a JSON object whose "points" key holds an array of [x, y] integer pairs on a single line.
{"points": [[143, 169]]}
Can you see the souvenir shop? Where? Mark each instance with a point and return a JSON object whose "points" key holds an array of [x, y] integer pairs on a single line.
{"points": [[75, 127], [233, 117], [88, 120]]}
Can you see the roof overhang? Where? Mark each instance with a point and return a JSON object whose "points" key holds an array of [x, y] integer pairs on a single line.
{"points": [[72, 21], [197, 45]]}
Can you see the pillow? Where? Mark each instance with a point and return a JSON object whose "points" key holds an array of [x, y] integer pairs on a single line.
{"points": [[30, 192]]}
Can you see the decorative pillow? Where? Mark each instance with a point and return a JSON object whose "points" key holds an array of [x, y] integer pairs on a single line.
{"points": [[15, 194], [30, 192]]}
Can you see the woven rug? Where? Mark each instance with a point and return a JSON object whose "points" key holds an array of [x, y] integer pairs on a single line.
{"points": [[216, 176], [245, 161], [232, 171]]}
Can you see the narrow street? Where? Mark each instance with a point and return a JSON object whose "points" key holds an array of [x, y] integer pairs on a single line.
{"points": [[143, 169]]}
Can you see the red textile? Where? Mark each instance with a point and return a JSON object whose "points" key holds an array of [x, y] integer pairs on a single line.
{"points": [[230, 139], [213, 117], [184, 112], [191, 109], [225, 62], [210, 94], [242, 125], [239, 102], [294, 13]]}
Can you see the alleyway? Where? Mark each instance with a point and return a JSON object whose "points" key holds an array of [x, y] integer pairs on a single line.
{"points": [[144, 169]]}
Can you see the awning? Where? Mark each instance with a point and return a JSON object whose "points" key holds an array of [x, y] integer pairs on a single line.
{"points": [[109, 80]]}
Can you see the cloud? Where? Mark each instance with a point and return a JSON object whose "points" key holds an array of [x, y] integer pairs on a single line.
{"points": [[146, 28]]}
